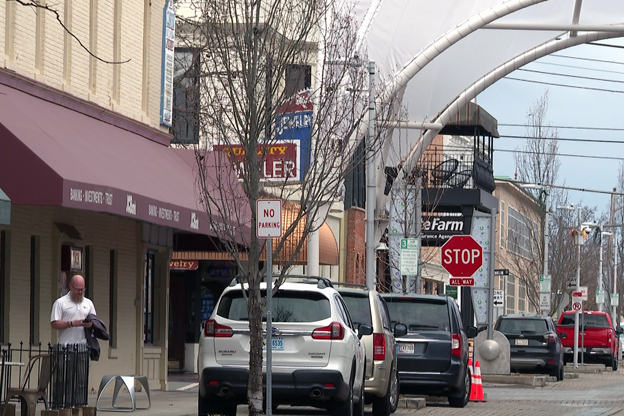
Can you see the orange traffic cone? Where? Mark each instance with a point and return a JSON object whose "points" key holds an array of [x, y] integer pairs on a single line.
{"points": [[476, 391]]}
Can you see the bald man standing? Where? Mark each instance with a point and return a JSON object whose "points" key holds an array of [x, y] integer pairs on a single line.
{"points": [[70, 311], [68, 317]]}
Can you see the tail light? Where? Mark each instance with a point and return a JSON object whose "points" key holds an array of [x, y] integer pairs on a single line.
{"points": [[335, 330], [456, 345], [379, 346], [214, 329], [550, 338]]}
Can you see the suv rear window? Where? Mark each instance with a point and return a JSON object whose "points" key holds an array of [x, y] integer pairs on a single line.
{"points": [[359, 308], [288, 306], [523, 326], [419, 314], [586, 319]]}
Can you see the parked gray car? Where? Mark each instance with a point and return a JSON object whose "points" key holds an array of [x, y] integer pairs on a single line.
{"points": [[381, 376], [432, 357]]}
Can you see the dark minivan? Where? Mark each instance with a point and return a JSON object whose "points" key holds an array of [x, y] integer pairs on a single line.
{"points": [[433, 357]]}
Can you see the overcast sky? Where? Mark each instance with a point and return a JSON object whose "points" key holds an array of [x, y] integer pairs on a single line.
{"points": [[592, 110]]}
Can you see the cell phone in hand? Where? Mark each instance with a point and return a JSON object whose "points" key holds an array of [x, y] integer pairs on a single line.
{"points": [[86, 321]]}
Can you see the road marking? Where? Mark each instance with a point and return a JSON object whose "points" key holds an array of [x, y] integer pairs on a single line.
{"points": [[188, 387]]}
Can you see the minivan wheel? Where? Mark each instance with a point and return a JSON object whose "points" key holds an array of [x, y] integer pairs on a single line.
{"points": [[358, 408], [384, 406], [215, 406], [462, 399], [343, 408]]}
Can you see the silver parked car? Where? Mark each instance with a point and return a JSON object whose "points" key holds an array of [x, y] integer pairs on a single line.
{"points": [[382, 380]]}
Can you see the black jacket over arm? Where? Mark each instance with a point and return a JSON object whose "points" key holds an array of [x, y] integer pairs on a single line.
{"points": [[97, 330]]}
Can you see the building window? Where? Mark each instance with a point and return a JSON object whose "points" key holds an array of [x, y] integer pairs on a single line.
{"points": [[298, 78], [186, 96], [148, 298], [522, 297], [34, 292], [519, 234], [511, 294], [502, 224], [112, 299]]}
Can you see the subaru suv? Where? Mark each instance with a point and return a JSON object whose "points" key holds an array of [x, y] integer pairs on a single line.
{"points": [[318, 356], [432, 357], [382, 382]]}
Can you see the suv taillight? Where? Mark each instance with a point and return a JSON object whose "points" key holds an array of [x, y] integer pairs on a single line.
{"points": [[550, 338], [379, 346], [456, 345], [214, 329], [331, 331]]}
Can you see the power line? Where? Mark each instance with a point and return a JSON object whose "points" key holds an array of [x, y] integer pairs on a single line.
{"points": [[565, 139], [560, 154], [565, 127], [587, 59], [570, 76], [584, 68], [565, 85]]}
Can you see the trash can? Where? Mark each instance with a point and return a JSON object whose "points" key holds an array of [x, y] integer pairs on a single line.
{"points": [[69, 387]]}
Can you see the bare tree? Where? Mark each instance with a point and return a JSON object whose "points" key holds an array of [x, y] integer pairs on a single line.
{"points": [[258, 63], [537, 162]]}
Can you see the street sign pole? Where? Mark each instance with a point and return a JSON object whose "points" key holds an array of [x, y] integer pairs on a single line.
{"points": [[269, 225]]}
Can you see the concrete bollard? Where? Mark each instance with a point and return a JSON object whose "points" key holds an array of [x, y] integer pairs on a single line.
{"points": [[9, 411], [88, 411]]}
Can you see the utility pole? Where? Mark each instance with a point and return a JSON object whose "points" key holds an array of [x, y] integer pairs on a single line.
{"points": [[370, 181], [578, 284], [614, 317]]}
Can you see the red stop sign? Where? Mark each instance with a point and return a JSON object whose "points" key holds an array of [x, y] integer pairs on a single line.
{"points": [[462, 256]]}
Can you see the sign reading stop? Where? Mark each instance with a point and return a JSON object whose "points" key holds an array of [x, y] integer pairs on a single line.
{"points": [[462, 256]]}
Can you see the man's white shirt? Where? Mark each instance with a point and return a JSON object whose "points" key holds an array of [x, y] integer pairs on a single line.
{"points": [[65, 309]]}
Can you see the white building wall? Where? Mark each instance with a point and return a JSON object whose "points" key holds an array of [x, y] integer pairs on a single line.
{"points": [[103, 233]]}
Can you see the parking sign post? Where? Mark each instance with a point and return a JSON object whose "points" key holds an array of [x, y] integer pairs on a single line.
{"points": [[269, 225]]}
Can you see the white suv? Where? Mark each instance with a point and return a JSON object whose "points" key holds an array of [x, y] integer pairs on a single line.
{"points": [[318, 357]]}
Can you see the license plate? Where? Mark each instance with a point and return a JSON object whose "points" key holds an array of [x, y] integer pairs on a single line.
{"points": [[406, 348], [278, 343], [522, 342]]}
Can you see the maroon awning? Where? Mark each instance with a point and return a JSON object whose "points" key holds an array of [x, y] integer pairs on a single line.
{"points": [[53, 155]]}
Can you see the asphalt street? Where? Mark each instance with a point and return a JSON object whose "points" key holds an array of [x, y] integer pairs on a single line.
{"points": [[588, 395]]}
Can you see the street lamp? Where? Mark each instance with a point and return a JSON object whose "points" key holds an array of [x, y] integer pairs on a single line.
{"points": [[599, 279], [571, 207]]}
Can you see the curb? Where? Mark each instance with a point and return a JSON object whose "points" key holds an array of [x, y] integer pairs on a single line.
{"points": [[412, 403], [529, 380]]}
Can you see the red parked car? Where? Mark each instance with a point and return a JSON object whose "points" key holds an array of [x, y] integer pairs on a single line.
{"points": [[598, 339]]}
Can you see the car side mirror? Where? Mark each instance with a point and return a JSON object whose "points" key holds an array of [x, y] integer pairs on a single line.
{"points": [[400, 330], [563, 335], [619, 330], [364, 329], [471, 331]]}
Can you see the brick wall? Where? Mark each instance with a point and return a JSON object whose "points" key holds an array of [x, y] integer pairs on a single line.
{"points": [[356, 246]]}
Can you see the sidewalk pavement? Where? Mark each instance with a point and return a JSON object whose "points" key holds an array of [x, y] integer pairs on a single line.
{"points": [[179, 400]]}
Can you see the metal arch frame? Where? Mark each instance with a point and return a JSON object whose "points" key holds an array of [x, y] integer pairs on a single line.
{"points": [[487, 80]]}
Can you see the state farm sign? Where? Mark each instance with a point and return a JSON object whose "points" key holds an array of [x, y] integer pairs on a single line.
{"points": [[279, 160]]}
